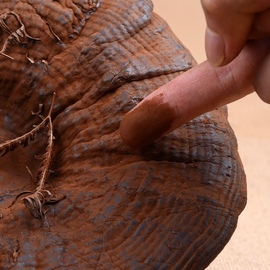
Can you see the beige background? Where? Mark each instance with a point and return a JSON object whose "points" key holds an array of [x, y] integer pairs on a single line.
{"points": [[249, 248]]}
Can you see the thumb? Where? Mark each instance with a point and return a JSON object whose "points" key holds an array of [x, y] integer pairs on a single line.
{"points": [[227, 31]]}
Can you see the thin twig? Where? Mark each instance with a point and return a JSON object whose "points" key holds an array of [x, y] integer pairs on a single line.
{"points": [[36, 200], [14, 35]]}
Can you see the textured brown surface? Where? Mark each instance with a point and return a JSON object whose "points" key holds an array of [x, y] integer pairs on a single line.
{"points": [[172, 205], [249, 247]]}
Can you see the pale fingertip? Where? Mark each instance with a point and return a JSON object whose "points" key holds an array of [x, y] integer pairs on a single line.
{"points": [[215, 48]]}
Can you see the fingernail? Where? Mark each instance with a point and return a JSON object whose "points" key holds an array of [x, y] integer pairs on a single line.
{"points": [[215, 48], [147, 122]]}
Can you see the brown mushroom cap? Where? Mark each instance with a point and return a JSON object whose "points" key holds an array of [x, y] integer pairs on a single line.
{"points": [[171, 205]]}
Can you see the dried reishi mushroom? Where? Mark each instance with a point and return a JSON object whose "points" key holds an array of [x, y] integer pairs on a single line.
{"points": [[171, 205]]}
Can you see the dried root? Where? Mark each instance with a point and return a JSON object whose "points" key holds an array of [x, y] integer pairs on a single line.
{"points": [[36, 200], [23, 140], [20, 35]]}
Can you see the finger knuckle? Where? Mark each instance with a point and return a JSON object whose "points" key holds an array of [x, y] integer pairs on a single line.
{"points": [[211, 6]]}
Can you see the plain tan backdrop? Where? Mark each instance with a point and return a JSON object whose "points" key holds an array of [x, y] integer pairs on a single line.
{"points": [[249, 248]]}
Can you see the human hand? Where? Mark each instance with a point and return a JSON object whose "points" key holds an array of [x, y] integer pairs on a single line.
{"points": [[205, 87], [229, 25]]}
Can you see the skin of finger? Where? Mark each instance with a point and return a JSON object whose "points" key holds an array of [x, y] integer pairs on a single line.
{"points": [[199, 90], [235, 6], [262, 81], [248, 6], [261, 25], [205, 88], [232, 20], [195, 92]]}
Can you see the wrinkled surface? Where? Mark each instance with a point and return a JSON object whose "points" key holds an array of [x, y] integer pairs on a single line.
{"points": [[171, 205]]}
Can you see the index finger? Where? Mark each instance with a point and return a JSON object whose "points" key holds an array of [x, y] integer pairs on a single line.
{"points": [[201, 89]]}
